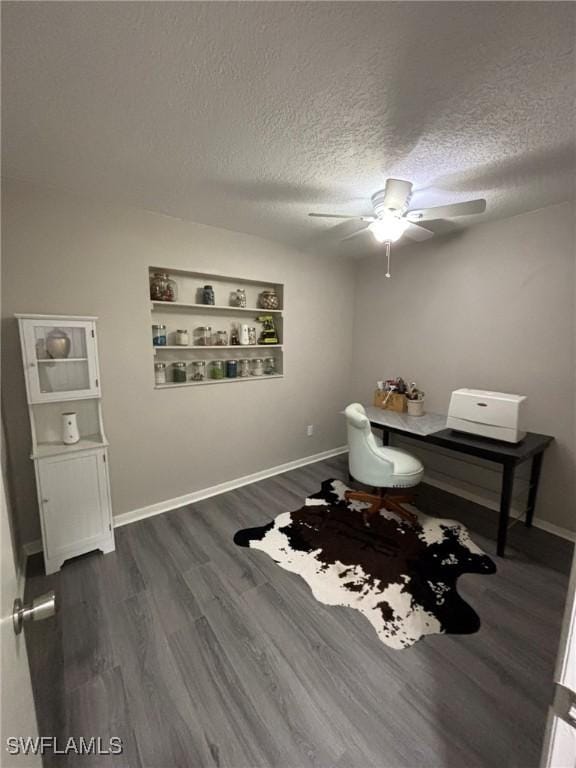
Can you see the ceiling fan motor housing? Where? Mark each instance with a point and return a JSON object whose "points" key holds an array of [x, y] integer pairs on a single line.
{"points": [[393, 199]]}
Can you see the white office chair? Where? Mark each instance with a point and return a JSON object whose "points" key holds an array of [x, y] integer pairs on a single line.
{"points": [[378, 466]]}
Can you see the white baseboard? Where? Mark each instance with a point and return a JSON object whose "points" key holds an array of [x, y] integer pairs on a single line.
{"points": [[215, 490], [33, 547], [537, 522]]}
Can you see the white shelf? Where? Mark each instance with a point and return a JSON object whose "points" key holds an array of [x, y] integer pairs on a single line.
{"points": [[56, 449], [62, 360], [225, 380], [156, 305], [217, 346]]}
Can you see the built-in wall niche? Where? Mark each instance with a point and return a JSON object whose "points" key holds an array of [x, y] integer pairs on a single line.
{"points": [[197, 336]]}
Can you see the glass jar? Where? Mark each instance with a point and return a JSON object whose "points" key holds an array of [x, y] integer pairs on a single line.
{"points": [[159, 335], [163, 288], [179, 373], [221, 338], [160, 373], [231, 369], [208, 295], [257, 367], [252, 338], [244, 368], [234, 336], [181, 338], [269, 299], [239, 298], [204, 336], [198, 370], [217, 369], [270, 366]]}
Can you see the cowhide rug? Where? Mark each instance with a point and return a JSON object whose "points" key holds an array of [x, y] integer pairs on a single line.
{"points": [[402, 577]]}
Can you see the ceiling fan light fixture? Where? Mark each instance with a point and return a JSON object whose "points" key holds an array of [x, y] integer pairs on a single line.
{"points": [[388, 229]]}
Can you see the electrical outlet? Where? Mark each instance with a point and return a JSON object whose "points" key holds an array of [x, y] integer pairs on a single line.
{"points": [[310, 430]]}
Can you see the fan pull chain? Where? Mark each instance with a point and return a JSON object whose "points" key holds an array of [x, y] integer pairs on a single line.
{"points": [[388, 246]]}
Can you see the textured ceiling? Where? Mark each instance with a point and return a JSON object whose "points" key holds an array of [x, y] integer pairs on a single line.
{"points": [[249, 115]]}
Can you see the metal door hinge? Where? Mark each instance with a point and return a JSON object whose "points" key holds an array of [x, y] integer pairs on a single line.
{"points": [[565, 704], [92, 332], [96, 382]]}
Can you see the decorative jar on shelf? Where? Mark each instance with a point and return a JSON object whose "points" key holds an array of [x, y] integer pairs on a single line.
{"points": [[179, 373], [163, 288], [181, 338], [198, 370], [231, 369], [217, 369], [208, 295], [257, 367], [70, 433], [221, 339], [238, 298], [160, 373], [58, 344], [270, 366], [268, 299], [244, 334], [244, 368], [204, 336], [252, 337], [159, 335]]}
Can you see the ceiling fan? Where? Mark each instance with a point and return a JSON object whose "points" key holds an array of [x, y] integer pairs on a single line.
{"points": [[392, 218]]}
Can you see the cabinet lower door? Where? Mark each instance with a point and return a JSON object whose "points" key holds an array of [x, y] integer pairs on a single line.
{"points": [[75, 502]]}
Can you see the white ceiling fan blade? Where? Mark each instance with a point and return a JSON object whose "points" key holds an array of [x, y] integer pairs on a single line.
{"points": [[353, 234], [468, 208], [338, 216], [416, 232]]}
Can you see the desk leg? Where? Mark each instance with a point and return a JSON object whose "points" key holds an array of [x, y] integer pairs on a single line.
{"points": [[533, 492], [505, 499]]}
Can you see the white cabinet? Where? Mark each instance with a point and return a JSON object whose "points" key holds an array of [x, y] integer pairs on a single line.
{"points": [[60, 358], [76, 510]]}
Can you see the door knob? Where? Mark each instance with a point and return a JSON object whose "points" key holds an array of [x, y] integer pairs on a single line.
{"points": [[42, 607]]}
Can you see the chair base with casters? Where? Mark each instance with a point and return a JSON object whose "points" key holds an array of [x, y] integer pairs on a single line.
{"points": [[382, 498], [390, 471]]}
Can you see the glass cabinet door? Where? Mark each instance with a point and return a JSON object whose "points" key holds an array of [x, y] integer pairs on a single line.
{"points": [[60, 360]]}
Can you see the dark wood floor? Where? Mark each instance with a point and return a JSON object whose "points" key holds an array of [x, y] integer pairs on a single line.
{"points": [[198, 653]]}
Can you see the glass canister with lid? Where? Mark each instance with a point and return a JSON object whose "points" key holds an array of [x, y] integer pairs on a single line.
{"points": [[231, 369], [217, 369], [270, 366], [208, 296], [181, 338], [268, 299], [179, 372], [257, 367], [238, 298], [198, 370], [163, 288], [221, 339], [244, 368], [252, 337], [160, 373], [159, 335], [204, 336]]}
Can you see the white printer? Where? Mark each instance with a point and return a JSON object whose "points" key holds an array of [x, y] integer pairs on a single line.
{"points": [[490, 414]]}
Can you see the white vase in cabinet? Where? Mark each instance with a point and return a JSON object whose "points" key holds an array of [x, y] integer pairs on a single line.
{"points": [[60, 357]]}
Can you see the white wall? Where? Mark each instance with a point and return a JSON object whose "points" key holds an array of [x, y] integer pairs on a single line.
{"points": [[490, 308], [62, 254]]}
